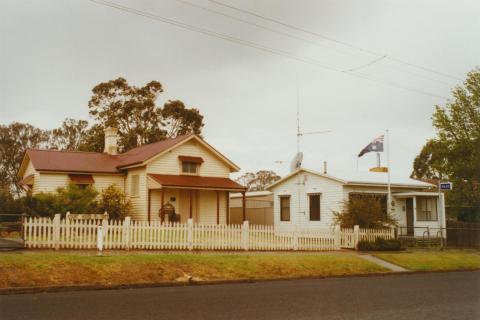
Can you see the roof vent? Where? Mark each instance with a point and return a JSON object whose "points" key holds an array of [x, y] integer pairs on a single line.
{"points": [[111, 141]]}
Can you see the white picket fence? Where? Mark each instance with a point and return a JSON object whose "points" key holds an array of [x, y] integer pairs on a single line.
{"points": [[126, 234]]}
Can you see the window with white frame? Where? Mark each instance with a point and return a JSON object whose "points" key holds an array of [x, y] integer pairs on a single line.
{"points": [[427, 209], [135, 185]]}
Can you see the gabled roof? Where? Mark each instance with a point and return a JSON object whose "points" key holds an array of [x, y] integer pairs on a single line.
{"points": [[145, 152], [71, 161], [95, 162], [361, 178]]}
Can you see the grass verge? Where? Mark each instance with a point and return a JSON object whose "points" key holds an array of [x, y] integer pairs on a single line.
{"points": [[434, 260], [35, 269]]}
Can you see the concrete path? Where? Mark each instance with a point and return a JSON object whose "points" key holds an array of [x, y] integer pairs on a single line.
{"points": [[383, 263], [438, 296]]}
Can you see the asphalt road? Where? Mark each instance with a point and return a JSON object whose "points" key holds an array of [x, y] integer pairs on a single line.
{"points": [[436, 296]]}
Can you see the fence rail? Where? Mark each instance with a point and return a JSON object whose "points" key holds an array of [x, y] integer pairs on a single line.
{"points": [[60, 233]]}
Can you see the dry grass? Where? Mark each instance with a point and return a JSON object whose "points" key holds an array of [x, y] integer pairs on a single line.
{"points": [[35, 269], [435, 260]]}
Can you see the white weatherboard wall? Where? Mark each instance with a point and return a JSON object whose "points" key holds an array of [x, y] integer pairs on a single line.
{"points": [[50, 182], [298, 187], [169, 163]]}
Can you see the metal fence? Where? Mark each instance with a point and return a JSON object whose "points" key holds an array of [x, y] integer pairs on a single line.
{"points": [[455, 235]]}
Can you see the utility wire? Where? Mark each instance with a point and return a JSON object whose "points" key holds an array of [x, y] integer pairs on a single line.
{"points": [[366, 64], [279, 52], [343, 43], [292, 36]]}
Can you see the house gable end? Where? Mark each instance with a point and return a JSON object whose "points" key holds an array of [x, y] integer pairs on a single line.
{"points": [[170, 162]]}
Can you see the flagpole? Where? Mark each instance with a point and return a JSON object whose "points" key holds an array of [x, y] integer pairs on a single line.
{"points": [[389, 197]]}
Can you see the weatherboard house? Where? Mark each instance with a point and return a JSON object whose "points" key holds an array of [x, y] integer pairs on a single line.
{"points": [[307, 199], [184, 174]]}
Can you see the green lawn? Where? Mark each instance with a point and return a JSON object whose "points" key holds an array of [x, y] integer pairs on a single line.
{"points": [[434, 260], [34, 269]]}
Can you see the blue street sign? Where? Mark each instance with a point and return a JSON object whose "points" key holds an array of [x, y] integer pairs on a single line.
{"points": [[446, 186]]}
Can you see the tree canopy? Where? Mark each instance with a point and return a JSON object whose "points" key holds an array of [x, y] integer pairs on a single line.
{"points": [[132, 110], [454, 154], [258, 181], [15, 139]]}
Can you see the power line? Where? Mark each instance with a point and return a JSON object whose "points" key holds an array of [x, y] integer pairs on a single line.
{"points": [[292, 36], [279, 52], [343, 43], [366, 64]]}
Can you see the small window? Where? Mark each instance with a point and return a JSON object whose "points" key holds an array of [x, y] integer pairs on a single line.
{"points": [[189, 167], [314, 204], [135, 186], [285, 208]]}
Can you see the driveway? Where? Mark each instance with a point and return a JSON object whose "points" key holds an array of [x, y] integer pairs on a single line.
{"points": [[10, 243], [454, 295]]}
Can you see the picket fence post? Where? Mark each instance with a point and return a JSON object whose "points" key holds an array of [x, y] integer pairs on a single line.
{"points": [[245, 230], [190, 234], [126, 233], [67, 227], [295, 238], [56, 231], [105, 231], [337, 237], [100, 239], [356, 235]]}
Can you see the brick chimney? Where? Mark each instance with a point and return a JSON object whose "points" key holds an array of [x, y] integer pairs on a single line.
{"points": [[111, 141]]}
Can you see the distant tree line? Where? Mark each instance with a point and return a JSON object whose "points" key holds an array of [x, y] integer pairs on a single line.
{"points": [[132, 110]]}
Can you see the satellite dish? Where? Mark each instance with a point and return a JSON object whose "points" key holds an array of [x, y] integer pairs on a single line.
{"points": [[296, 162]]}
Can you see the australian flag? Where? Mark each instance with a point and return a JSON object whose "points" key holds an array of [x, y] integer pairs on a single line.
{"points": [[376, 146]]}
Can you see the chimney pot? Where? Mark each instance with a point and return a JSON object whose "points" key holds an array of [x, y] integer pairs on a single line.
{"points": [[324, 167], [111, 141]]}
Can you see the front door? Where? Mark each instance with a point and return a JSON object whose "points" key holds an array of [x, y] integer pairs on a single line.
{"points": [[409, 209]]}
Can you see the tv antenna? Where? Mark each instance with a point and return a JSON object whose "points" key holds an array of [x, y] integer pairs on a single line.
{"points": [[299, 156]]}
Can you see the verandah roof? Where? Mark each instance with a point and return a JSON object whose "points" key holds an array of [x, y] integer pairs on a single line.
{"points": [[196, 182]]}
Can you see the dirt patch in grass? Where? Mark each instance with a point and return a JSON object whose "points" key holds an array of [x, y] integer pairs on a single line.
{"points": [[29, 269], [434, 260]]}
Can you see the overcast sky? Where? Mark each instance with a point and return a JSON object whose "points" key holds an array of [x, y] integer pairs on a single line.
{"points": [[52, 53]]}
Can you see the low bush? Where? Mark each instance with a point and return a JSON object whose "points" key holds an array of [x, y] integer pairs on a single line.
{"points": [[78, 200], [114, 202], [380, 244]]}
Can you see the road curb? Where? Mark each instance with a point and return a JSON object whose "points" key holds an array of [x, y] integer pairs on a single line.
{"points": [[72, 288]]}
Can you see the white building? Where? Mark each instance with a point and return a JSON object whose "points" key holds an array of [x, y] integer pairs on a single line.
{"points": [[307, 199]]}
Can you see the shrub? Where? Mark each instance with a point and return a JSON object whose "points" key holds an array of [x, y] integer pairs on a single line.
{"points": [[9, 204], [73, 198], [114, 202], [366, 211], [42, 204], [379, 244]]}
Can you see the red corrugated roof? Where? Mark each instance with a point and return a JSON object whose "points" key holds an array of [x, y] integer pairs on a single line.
{"points": [[73, 161], [77, 161], [169, 180], [140, 154]]}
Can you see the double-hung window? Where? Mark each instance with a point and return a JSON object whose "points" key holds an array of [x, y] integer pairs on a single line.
{"points": [[135, 185], [189, 167]]}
